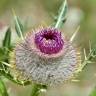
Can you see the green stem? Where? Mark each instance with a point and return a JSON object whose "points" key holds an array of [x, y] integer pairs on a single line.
{"points": [[11, 78], [36, 89]]}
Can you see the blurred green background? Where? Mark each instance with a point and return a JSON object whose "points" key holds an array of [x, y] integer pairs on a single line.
{"points": [[41, 12]]}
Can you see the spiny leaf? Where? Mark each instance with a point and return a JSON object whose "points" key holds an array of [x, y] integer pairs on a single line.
{"points": [[7, 39], [3, 57], [6, 47], [8, 75], [92, 53], [62, 15], [3, 91], [89, 58], [18, 26]]}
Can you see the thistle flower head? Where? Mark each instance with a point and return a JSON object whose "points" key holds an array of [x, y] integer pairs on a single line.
{"points": [[46, 57]]}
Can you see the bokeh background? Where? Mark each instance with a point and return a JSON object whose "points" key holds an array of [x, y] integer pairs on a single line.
{"points": [[41, 12]]}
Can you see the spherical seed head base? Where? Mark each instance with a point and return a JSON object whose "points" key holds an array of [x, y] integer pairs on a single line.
{"points": [[41, 63]]}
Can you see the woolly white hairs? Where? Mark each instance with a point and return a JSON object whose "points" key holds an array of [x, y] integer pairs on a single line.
{"points": [[46, 70]]}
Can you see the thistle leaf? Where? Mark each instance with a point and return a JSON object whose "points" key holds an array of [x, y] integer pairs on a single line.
{"points": [[2, 55], [18, 26], [7, 39], [3, 91], [61, 18]]}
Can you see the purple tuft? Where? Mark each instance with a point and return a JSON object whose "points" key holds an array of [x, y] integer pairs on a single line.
{"points": [[49, 41]]}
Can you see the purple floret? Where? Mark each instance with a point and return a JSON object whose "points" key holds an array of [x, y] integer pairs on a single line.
{"points": [[49, 41]]}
